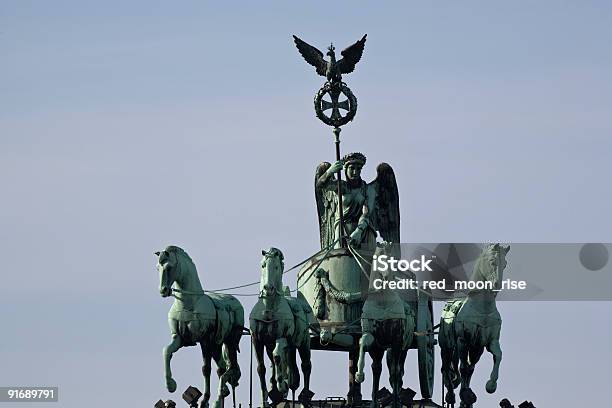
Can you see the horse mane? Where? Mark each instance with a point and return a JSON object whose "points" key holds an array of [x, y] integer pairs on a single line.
{"points": [[490, 250], [182, 255]]}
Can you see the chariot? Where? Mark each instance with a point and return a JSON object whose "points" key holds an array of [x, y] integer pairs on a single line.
{"points": [[335, 284]]}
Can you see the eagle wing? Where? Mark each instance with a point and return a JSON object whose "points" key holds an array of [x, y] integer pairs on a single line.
{"points": [[387, 215], [351, 56], [326, 206], [312, 55]]}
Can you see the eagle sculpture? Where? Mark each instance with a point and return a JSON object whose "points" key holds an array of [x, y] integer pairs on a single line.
{"points": [[331, 69]]}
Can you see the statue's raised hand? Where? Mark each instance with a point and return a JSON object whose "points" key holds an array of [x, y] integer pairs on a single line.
{"points": [[356, 237], [336, 167]]}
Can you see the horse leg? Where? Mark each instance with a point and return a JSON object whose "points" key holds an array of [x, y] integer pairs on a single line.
{"points": [[495, 349], [169, 350], [230, 348], [365, 342], [395, 364], [206, 369], [280, 361], [354, 394], [447, 373], [222, 390], [215, 351], [306, 395], [468, 398], [227, 359], [474, 354], [293, 374], [261, 370], [292, 369], [270, 352], [377, 356], [233, 373]]}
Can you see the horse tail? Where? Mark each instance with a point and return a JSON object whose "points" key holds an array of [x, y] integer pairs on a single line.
{"points": [[232, 376], [236, 328], [238, 323]]}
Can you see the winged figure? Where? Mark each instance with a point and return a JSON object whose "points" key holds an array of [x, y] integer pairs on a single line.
{"points": [[331, 69], [368, 208]]}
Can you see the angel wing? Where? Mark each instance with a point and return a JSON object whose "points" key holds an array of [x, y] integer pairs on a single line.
{"points": [[312, 55], [387, 215], [351, 56], [326, 206]]}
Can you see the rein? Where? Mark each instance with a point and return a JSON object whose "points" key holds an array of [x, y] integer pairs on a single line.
{"points": [[325, 250], [187, 292]]}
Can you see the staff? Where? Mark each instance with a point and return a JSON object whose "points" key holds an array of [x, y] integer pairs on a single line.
{"points": [[334, 87]]}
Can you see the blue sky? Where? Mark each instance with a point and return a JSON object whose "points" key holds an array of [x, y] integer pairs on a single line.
{"points": [[125, 127]]}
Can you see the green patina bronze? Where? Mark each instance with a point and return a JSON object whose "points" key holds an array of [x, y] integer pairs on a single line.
{"points": [[337, 306], [470, 325], [388, 324], [368, 208], [335, 282], [280, 328], [215, 321]]}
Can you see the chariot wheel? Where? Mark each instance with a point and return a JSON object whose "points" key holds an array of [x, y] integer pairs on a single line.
{"points": [[425, 345]]}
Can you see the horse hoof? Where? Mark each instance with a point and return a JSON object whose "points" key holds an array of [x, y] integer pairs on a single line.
{"points": [[467, 397], [491, 386], [276, 397], [353, 399], [359, 377], [305, 396], [170, 385], [264, 401]]}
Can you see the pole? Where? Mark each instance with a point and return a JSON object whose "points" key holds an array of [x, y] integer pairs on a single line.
{"points": [[251, 377], [442, 391], [339, 176]]}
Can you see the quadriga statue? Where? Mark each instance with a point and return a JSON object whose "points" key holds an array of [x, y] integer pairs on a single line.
{"points": [[470, 325], [215, 321], [280, 328]]}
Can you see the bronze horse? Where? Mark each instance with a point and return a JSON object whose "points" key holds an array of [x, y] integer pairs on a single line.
{"points": [[388, 324], [215, 321], [470, 325], [280, 327]]}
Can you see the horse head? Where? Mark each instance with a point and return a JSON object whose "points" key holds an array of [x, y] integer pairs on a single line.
{"points": [[388, 250], [172, 263], [491, 264], [272, 267]]}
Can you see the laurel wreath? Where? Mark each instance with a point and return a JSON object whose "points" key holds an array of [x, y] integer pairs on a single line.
{"points": [[342, 120]]}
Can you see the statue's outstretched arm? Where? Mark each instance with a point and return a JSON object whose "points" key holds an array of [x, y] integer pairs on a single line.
{"points": [[329, 173]]}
